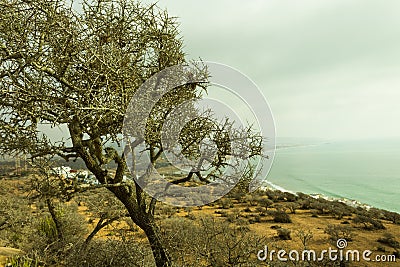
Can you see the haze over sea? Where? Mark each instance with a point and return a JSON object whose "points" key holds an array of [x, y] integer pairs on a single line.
{"points": [[366, 171]]}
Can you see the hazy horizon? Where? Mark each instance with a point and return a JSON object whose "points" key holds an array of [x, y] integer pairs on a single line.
{"points": [[328, 69]]}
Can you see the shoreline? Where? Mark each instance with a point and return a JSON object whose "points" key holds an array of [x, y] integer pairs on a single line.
{"points": [[349, 202]]}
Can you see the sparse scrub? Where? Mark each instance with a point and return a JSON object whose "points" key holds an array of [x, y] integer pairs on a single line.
{"points": [[321, 206], [305, 204], [22, 261], [292, 206], [210, 243], [392, 216], [265, 203], [255, 219], [251, 200], [284, 234], [281, 217], [305, 236], [368, 223], [337, 232], [116, 253], [225, 203], [289, 197], [261, 210], [390, 240]]}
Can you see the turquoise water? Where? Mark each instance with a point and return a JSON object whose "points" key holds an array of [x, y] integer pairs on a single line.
{"points": [[367, 171]]}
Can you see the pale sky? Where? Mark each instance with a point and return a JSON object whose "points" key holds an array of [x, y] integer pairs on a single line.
{"points": [[328, 69]]}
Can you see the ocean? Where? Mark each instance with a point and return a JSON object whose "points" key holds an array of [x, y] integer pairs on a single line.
{"points": [[366, 171]]}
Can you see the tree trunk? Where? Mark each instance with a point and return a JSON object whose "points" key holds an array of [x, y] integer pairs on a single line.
{"points": [[146, 222], [136, 208], [55, 218], [160, 254]]}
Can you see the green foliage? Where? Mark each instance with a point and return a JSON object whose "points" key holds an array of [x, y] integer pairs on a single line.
{"points": [[22, 261], [48, 228]]}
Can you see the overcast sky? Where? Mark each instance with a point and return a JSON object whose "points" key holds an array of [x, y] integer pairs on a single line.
{"points": [[328, 69]]}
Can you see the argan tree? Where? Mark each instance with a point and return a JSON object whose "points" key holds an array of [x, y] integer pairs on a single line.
{"points": [[78, 71]]}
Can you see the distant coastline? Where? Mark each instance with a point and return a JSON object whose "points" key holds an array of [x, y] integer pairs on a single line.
{"points": [[358, 172], [350, 202]]}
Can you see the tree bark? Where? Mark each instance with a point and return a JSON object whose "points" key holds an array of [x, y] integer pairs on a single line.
{"points": [[160, 254], [55, 218], [146, 222]]}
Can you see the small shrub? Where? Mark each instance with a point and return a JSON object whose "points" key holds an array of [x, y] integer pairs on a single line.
{"points": [[261, 210], [272, 195], [168, 210], [281, 217], [47, 227], [191, 216], [337, 232], [226, 203], [255, 219], [302, 196], [251, 200], [289, 197], [321, 206], [381, 249], [111, 253], [305, 204], [374, 213], [368, 223], [392, 216], [232, 217], [265, 202], [292, 206], [236, 195], [305, 236], [22, 261], [284, 234], [390, 240]]}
